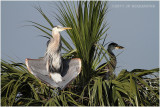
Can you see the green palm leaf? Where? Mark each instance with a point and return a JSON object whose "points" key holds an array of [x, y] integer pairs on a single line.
{"points": [[88, 35]]}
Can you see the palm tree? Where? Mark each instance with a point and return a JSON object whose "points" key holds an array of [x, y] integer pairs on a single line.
{"points": [[88, 36]]}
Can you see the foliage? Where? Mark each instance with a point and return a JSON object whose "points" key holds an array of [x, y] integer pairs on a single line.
{"points": [[87, 30], [125, 90], [19, 87], [88, 36]]}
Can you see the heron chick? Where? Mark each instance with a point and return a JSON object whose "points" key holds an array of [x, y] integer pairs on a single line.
{"points": [[111, 65], [53, 54]]}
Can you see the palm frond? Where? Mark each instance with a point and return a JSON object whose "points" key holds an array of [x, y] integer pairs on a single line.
{"points": [[87, 29], [88, 35], [20, 87]]}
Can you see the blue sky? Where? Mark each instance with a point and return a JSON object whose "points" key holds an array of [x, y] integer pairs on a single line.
{"points": [[134, 25]]}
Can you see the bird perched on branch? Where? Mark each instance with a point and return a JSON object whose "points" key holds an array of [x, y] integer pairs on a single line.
{"points": [[53, 54], [110, 66]]}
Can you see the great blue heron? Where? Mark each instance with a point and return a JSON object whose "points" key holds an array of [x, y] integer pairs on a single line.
{"points": [[49, 68], [110, 66], [53, 54]]}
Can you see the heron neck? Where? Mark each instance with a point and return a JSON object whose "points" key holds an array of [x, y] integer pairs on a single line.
{"points": [[57, 38], [54, 46], [112, 59]]}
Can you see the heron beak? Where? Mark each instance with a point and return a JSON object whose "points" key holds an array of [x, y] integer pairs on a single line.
{"points": [[119, 47], [65, 28]]}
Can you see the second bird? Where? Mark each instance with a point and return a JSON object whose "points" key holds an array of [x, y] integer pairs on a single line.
{"points": [[111, 65], [53, 54]]}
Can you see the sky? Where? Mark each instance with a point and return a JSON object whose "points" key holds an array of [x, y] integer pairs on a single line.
{"points": [[134, 25]]}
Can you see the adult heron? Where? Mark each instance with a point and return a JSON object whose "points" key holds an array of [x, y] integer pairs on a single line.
{"points": [[110, 66], [52, 69], [53, 54]]}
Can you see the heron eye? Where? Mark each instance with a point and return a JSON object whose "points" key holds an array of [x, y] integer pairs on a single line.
{"points": [[115, 44]]}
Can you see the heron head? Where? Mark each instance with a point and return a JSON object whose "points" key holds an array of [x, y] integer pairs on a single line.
{"points": [[113, 46], [60, 28]]}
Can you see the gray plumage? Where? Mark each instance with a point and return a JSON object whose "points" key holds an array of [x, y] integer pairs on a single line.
{"points": [[71, 69], [111, 65], [53, 56], [48, 69]]}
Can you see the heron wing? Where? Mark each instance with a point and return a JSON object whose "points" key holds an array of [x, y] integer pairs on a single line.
{"points": [[71, 69], [37, 67]]}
